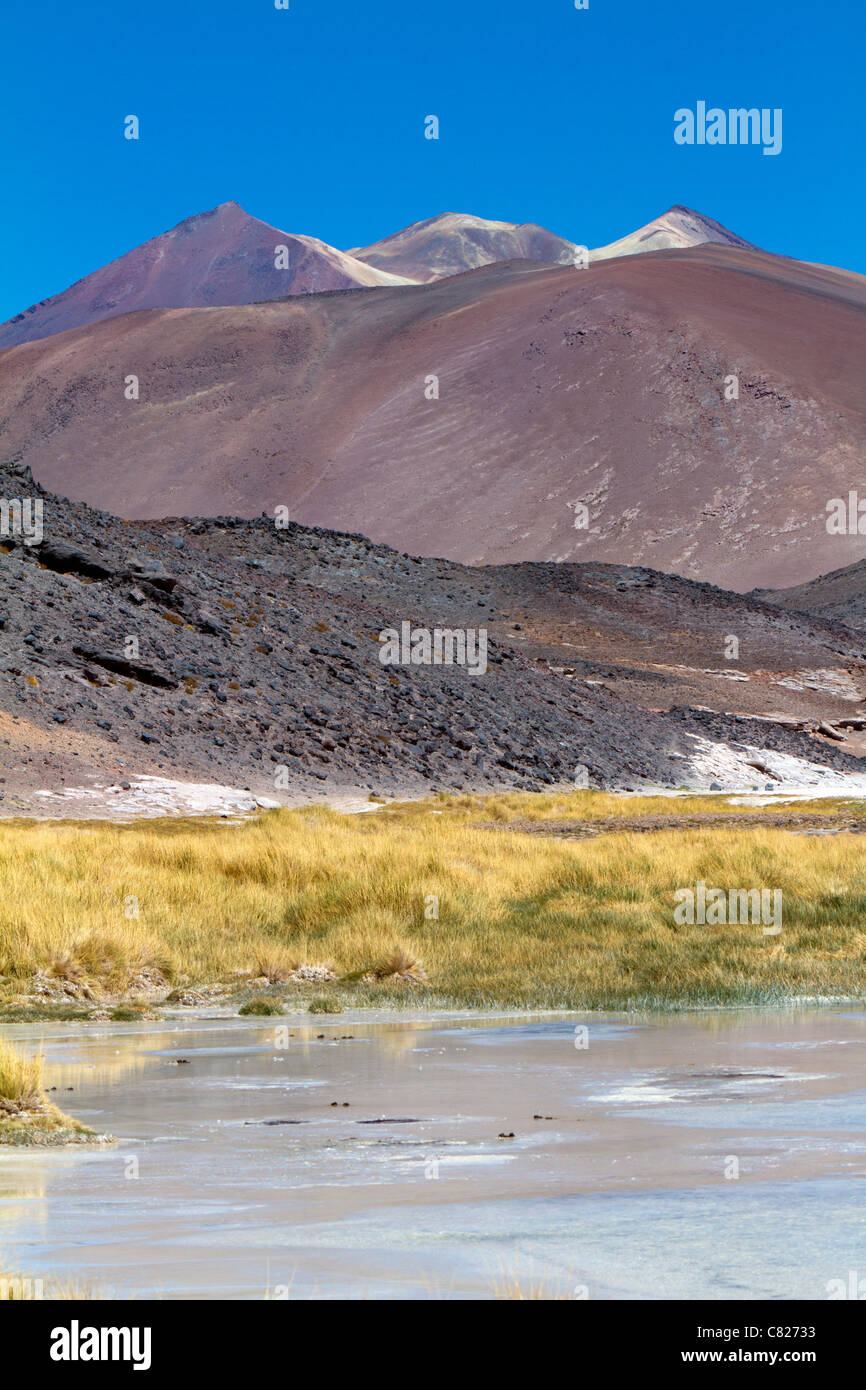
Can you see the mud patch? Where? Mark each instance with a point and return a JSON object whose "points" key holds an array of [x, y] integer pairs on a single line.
{"points": [[838, 824]]}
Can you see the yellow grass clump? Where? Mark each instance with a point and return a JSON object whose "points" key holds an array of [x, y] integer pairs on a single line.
{"points": [[21, 1078], [26, 1116]]}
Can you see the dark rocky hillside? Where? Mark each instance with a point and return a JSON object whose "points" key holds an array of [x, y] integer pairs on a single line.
{"points": [[219, 651]]}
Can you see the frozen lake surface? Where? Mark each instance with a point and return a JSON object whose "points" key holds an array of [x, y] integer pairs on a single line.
{"points": [[715, 1155]]}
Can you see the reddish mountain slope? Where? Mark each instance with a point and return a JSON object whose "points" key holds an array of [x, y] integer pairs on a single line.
{"points": [[218, 257], [224, 256], [557, 386]]}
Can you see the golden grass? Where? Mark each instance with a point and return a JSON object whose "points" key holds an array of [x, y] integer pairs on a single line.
{"points": [[25, 1113], [511, 1288], [21, 1078], [19, 1288], [523, 920]]}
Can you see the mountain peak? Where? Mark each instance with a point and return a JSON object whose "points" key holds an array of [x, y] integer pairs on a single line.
{"points": [[453, 242], [224, 256], [219, 257], [229, 211], [677, 229]]}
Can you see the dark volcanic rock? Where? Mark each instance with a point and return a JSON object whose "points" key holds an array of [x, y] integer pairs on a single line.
{"points": [[131, 654], [134, 669], [67, 560]]}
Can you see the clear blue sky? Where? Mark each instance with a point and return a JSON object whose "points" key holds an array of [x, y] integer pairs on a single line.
{"points": [[312, 119]]}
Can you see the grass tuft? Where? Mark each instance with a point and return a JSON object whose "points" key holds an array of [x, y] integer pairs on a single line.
{"points": [[323, 1004], [26, 1117], [21, 1079], [261, 1008]]}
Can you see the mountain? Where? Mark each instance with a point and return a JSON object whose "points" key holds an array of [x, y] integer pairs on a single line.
{"points": [[457, 241], [839, 596], [259, 649], [675, 230], [218, 257], [224, 256], [557, 387]]}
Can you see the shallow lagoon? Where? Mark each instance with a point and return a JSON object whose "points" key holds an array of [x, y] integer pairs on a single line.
{"points": [[712, 1155]]}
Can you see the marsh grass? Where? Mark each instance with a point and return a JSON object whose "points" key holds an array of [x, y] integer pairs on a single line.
{"points": [[26, 1116], [512, 1288], [524, 920], [18, 1288], [324, 1004], [133, 1012], [22, 1079], [262, 1008]]}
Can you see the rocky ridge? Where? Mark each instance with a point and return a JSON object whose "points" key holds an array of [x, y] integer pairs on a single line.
{"points": [[229, 652]]}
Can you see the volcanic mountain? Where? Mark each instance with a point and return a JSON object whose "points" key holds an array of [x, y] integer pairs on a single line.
{"points": [[456, 241], [224, 257], [514, 412], [675, 230], [256, 666], [220, 257]]}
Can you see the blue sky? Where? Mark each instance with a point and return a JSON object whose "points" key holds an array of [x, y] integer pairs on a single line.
{"points": [[313, 119]]}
